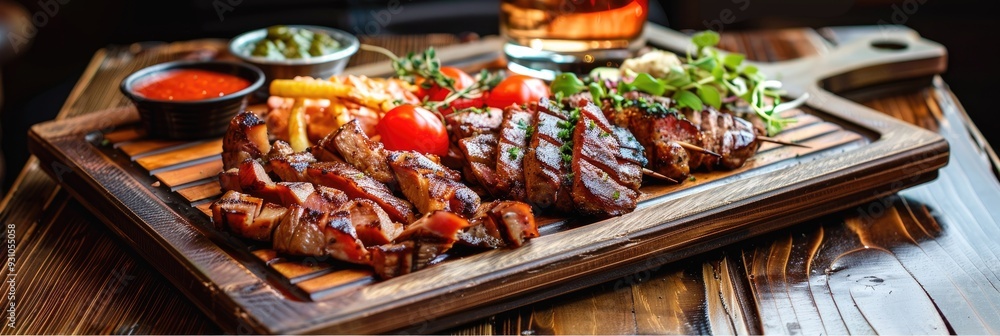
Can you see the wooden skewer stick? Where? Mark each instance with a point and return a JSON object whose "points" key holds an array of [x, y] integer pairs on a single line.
{"points": [[648, 172], [697, 149], [780, 142]]}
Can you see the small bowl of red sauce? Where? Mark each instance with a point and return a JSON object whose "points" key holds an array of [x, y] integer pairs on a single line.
{"points": [[191, 99]]}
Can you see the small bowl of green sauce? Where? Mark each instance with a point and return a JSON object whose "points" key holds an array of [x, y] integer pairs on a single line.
{"points": [[287, 51]]}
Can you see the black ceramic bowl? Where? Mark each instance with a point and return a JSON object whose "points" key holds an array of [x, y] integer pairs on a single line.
{"points": [[191, 119]]}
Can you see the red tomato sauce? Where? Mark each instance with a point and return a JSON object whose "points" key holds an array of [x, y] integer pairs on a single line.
{"points": [[190, 84]]}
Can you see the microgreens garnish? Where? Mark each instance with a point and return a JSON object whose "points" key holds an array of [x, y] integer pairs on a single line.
{"points": [[708, 78]]}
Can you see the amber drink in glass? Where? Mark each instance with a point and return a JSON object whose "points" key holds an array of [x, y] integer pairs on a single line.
{"points": [[548, 36]]}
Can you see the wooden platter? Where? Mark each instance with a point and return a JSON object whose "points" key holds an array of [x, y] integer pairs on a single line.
{"points": [[153, 194]]}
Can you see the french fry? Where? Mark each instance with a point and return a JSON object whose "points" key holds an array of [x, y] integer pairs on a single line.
{"points": [[314, 89], [297, 136], [338, 109]]}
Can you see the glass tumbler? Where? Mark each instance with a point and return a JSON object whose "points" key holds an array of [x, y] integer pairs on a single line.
{"points": [[545, 37]]}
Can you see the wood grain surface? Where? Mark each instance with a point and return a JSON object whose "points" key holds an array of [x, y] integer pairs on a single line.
{"points": [[725, 291]]}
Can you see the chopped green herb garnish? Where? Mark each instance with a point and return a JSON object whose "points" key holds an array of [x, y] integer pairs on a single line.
{"points": [[514, 152], [616, 195], [691, 178]]}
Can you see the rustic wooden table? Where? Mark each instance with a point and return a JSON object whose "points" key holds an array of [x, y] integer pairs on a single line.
{"points": [[923, 261]]}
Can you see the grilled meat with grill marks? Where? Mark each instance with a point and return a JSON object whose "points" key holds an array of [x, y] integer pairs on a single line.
{"points": [[372, 223], [419, 245], [237, 212], [545, 170], [306, 232], [287, 164], [601, 132], [467, 123], [356, 184], [513, 144], [660, 130], [246, 138], [734, 138], [432, 186], [357, 149], [603, 182], [499, 224], [481, 152]]}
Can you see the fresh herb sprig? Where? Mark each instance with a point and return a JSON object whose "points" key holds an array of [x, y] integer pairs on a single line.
{"points": [[425, 65], [709, 77]]}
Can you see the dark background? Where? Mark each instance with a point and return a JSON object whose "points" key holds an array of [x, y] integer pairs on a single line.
{"points": [[36, 81]]}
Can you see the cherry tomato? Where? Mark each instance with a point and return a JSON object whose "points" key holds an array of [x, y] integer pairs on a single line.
{"points": [[437, 93], [409, 127], [517, 89]]}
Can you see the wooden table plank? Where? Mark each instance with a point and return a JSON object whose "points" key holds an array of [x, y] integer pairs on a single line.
{"points": [[193, 153], [176, 177]]}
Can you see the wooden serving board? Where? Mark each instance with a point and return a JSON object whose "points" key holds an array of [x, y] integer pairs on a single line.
{"points": [[155, 195]]}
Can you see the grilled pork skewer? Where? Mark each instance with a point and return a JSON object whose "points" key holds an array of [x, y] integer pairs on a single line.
{"points": [[680, 143]]}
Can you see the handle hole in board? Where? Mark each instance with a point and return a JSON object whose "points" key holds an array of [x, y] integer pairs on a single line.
{"points": [[889, 45]]}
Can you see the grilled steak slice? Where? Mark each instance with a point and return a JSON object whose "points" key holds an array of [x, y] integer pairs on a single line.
{"points": [[439, 226], [740, 143], [306, 232], [230, 180], [472, 122], [357, 185], [390, 261], [342, 239], [480, 152], [603, 182], [513, 144], [658, 134], [431, 186], [264, 224], [545, 170], [482, 230], [420, 244], [515, 221], [733, 138], [372, 223], [246, 138], [235, 211], [600, 139], [247, 216], [357, 149], [299, 233], [288, 166], [325, 199]]}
